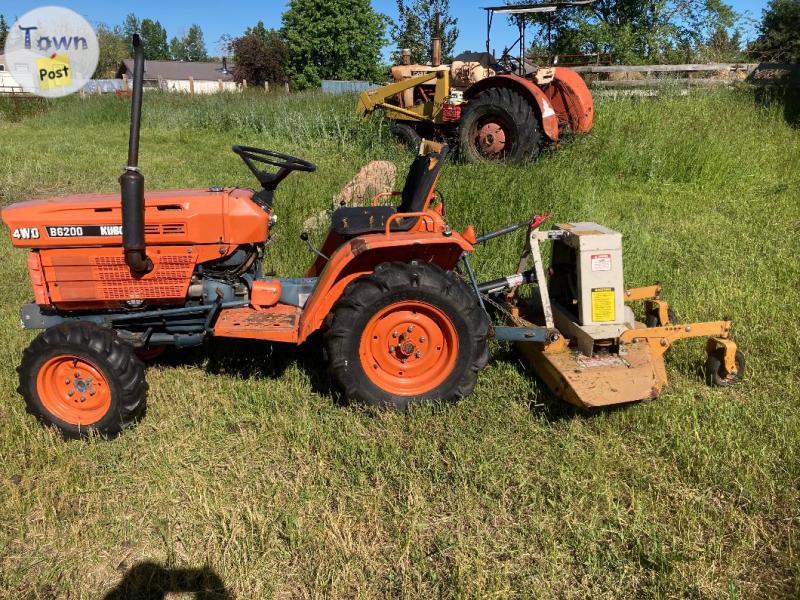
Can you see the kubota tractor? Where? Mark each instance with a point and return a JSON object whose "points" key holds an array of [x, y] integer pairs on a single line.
{"points": [[504, 109], [118, 276]]}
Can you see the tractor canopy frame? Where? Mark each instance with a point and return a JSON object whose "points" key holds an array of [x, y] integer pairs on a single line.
{"points": [[518, 12]]}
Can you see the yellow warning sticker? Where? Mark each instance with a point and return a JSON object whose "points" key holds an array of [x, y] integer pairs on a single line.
{"points": [[54, 71], [603, 305]]}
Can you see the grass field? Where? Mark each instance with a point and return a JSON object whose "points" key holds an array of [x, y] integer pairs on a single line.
{"points": [[246, 476]]}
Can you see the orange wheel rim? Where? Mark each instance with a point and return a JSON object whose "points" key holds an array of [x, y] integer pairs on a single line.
{"points": [[408, 348], [492, 139], [73, 389]]}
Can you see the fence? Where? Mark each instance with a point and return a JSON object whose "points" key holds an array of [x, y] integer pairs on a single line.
{"points": [[650, 78], [341, 87]]}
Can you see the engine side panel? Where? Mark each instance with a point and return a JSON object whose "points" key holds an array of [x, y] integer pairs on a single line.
{"points": [[82, 278]]}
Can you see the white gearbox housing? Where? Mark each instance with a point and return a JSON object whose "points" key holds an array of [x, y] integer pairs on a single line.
{"points": [[600, 276], [593, 308]]}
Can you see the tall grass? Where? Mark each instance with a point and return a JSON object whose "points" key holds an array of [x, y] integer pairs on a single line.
{"points": [[245, 468]]}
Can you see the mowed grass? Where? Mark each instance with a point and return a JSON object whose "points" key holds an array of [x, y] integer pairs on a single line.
{"points": [[247, 475]]}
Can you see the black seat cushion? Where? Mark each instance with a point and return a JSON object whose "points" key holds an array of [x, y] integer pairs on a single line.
{"points": [[420, 179], [349, 221]]}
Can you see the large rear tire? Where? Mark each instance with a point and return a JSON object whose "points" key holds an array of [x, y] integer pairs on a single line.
{"points": [[405, 334], [80, 377], [498, 125]]}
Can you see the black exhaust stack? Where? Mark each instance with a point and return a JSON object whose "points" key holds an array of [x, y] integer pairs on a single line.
{"points": [[132, 181]]}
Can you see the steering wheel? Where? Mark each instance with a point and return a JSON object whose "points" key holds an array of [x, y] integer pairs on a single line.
{"points": [[283, 162]]}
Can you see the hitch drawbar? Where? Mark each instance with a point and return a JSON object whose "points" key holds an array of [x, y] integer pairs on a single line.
{"points": [[542, 335], [507, 283]]}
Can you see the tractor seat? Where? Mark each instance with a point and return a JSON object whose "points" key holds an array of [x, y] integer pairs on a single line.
{"points": [[358, 220]]}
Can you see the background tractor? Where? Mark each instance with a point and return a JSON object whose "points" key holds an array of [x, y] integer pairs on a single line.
{"points": [[506, 109]]}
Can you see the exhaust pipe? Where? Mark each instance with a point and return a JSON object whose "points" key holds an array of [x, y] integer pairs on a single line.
{"points": [[132, 181], [436, 46]]}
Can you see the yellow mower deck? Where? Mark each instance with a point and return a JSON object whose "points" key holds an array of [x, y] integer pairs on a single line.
{"points": [[599, 380]]}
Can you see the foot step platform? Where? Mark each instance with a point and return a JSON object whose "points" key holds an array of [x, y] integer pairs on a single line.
{"points": [[278, 323]]}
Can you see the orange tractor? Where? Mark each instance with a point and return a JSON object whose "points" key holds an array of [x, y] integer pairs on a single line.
{"points": [[116, 277], [506, 109]]}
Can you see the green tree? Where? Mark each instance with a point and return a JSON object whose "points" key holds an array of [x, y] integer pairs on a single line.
{"points": [[154, 37], [722, 46], [190, 47], [260, 55], [333, 39], [259, 30], [414, 29], [634, 31], [779, 33], [224, 45], [3, 31], [131, 25], [114, 46]]}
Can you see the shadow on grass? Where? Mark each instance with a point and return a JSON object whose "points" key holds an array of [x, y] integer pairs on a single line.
{"points": [[152, 581], [248, 359], [547, 404], [787, 96]]}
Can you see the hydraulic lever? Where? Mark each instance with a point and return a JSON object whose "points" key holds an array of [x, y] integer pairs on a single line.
{"points": [[304, 237]]}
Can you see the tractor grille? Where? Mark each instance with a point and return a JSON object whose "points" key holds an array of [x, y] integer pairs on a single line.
{"points": [[165, 229], [168, 279]]}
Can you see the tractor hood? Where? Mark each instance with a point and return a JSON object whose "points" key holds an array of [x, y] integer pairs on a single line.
{"points": [[193, 216]]}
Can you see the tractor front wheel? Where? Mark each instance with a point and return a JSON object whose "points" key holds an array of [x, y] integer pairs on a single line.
{"points": [[498, 125], [80, 377], [405, 334], [407, 137]]}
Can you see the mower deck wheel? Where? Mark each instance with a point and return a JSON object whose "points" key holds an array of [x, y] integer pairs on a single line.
{"points": [[651, 318], [407, 333], [80, 377], [716, 375]]}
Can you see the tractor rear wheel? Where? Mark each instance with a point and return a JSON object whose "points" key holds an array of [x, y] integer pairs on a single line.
{"points": [[498, 125], [406, 136], [80, 377], [407, 333]]}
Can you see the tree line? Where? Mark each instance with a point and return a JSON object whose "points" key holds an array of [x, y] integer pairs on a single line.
{"points": [[343, 39], [668, 31]]}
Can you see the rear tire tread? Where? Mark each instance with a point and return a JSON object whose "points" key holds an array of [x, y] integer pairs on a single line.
{"points": [[509, 103]]}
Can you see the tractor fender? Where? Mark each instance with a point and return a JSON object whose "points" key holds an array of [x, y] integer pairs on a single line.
{"points": [[362, 254], [571, 99], [527, 89]]}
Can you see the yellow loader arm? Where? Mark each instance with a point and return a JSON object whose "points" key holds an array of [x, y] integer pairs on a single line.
{"points": [[373, 99]]}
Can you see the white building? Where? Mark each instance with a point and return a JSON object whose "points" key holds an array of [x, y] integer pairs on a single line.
{"points": [[175, 76]]}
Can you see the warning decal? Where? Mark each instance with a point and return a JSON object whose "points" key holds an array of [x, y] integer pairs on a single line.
{"points": [[601, 262], [603, 305]]}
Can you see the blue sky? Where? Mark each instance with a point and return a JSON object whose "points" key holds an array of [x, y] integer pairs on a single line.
{"points": [[217, 17]]}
